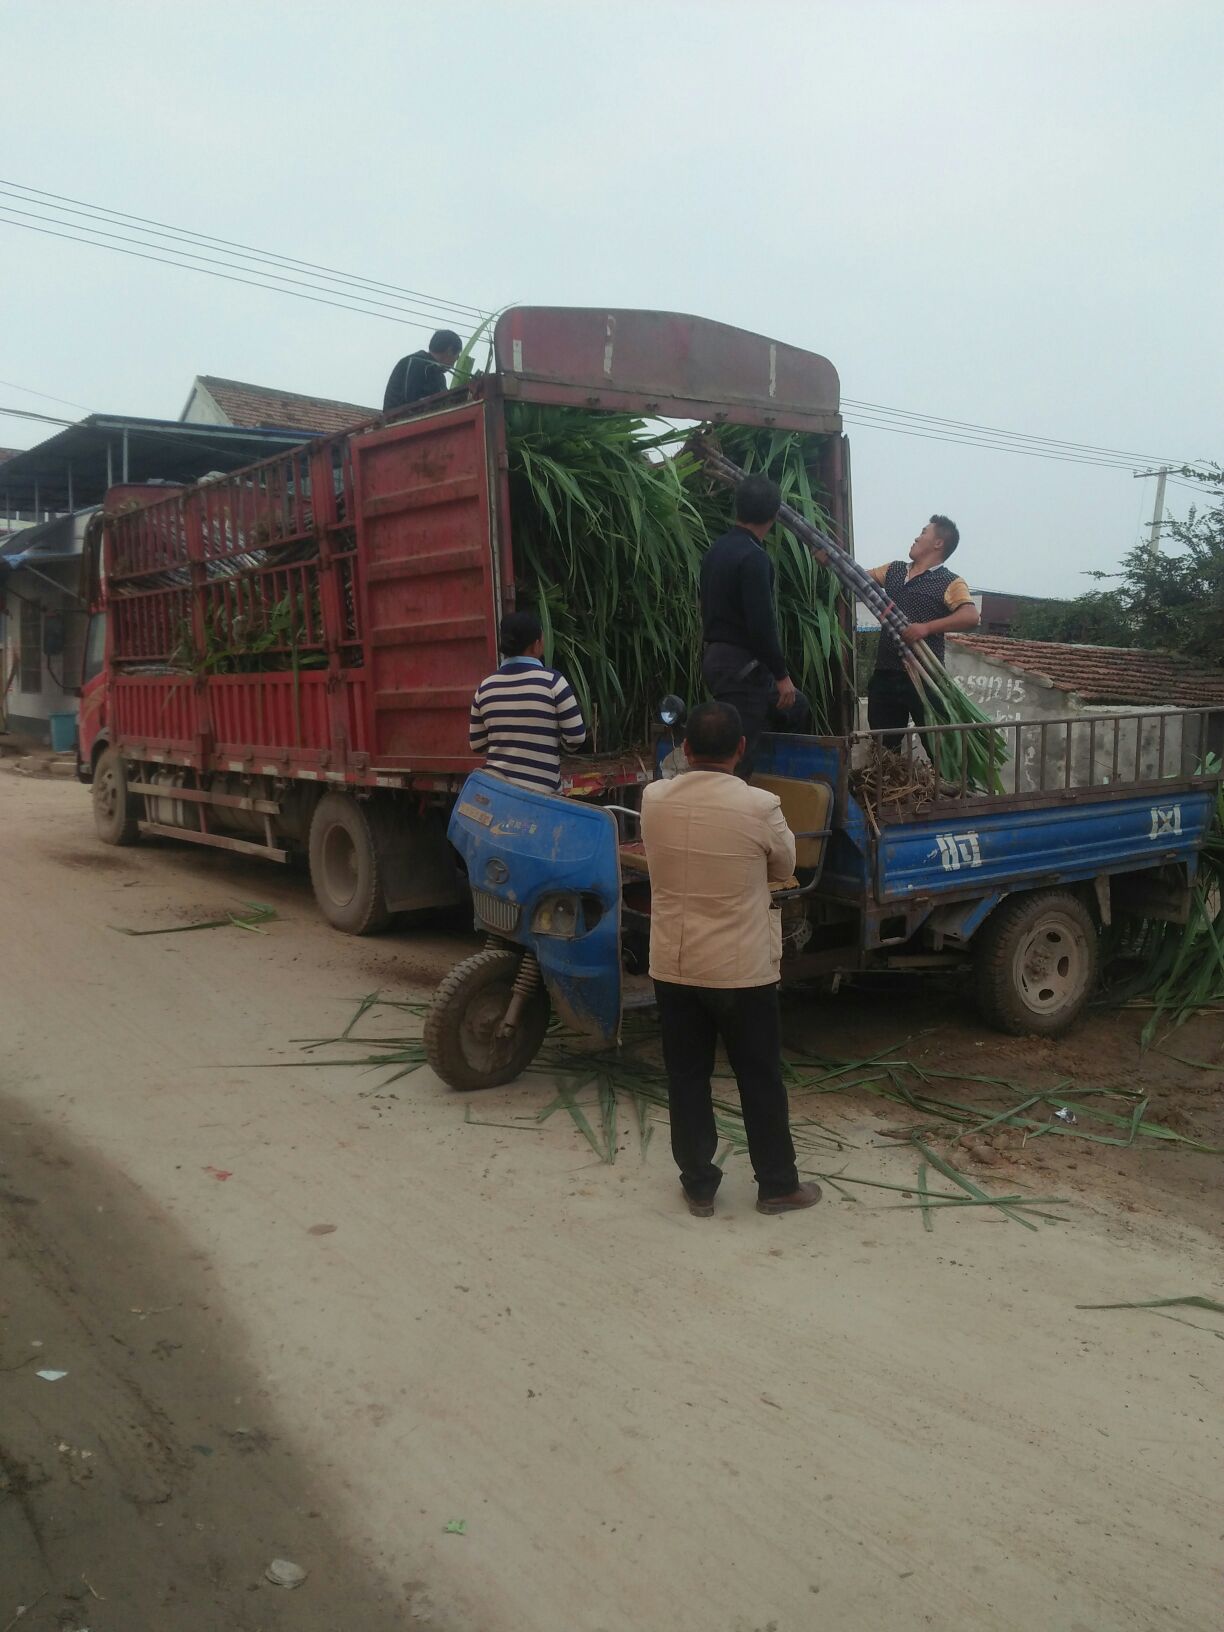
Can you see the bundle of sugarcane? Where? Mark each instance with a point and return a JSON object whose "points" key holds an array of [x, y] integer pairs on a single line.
{"points": [[609, 535], [607, 547], [969, 758]]}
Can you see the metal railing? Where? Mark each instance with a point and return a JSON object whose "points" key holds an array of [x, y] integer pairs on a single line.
{"points": [[1081, 756]]}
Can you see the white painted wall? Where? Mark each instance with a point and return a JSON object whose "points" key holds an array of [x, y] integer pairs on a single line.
{"points": [[201, 409], [1100, 755]]}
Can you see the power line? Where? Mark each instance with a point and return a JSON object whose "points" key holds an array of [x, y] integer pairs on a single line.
{"points": [[46, 395], [228, 260], [280, 278], [983, 442], [1018, 436], [229, 277], [164, 228], [28, 413]]}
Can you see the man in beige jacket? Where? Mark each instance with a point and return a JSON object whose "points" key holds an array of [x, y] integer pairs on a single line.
{"points": [[713, 845]]}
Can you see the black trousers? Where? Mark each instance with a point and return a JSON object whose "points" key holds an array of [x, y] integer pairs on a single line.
{"points": [[692, 1019], [892, 702], [753, 695]]}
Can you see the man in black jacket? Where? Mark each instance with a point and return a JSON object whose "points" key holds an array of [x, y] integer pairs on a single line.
{"points": [[424, 373], [743, 663]]}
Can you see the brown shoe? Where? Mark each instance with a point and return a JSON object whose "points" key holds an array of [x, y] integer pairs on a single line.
{"points": [[699, 1208], [807, 1195]]}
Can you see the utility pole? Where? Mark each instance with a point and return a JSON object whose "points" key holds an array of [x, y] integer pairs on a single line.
{"points": [[1158, 510]]}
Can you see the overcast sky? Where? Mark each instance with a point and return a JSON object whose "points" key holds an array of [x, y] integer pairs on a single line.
{"points": [[1007, 214]]}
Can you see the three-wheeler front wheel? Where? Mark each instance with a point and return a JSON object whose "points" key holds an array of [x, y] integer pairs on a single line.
{"points": [[467, 1040], [1036, 960]]}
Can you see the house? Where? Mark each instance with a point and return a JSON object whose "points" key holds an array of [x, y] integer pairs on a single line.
{"points": [[1043, 681], [44, 620], [214, 401], [999, 610]]}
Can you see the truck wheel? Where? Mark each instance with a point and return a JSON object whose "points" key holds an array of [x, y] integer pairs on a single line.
{"points": [[114, 807], [461, 1039], [1036, 963], [344, 867]]}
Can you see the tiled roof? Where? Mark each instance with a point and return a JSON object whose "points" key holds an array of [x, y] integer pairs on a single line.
{"points": [[1105, 674], [258, 405], [10, 453]]}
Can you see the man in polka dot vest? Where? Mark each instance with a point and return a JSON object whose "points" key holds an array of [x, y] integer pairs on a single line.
{"points": [[937, 603]]}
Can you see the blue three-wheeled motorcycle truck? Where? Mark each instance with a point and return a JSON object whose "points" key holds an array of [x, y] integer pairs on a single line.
{"points": [[1091, 816]]}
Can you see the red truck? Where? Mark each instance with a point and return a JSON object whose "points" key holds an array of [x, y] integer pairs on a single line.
{"points": [[390, 551]]}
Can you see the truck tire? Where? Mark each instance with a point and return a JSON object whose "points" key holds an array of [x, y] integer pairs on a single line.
{"points": [[1035, 964], [344, 866], [114, 808], [461, 1041]]}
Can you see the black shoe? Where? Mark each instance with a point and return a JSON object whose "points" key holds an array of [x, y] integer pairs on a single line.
{"points": [[807, 1195], [700, 1207]]}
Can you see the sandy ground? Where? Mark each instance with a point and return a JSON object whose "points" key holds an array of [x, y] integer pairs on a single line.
{"points": [[646, 1421]]}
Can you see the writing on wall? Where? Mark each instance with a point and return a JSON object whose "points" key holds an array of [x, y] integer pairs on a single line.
{"points": [[996, 694]]}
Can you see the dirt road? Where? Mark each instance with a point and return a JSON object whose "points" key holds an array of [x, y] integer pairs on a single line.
{"points": [[305, 1317]]}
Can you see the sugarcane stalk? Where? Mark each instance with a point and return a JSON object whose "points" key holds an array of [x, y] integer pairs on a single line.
{"points": [[924, 669], [840, 562]]}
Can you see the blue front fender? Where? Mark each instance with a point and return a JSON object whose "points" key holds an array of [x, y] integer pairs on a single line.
{"points": [[521, 850]]}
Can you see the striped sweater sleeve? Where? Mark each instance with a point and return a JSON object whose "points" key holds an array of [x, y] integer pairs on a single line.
{"points": [[569, 716], [478, 730]]}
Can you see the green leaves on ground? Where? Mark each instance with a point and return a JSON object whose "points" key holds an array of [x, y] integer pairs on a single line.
{"points": [[1180, 967], [1194, 1302], [256, 915]]}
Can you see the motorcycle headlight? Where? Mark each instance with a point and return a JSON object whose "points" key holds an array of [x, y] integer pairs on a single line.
{"points": [[558, 915]]}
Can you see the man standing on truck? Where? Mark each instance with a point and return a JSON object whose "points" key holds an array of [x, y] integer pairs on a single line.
{"points": [[524, 714], [938, 603], [743, 663], [423, 373], [713, 846]]}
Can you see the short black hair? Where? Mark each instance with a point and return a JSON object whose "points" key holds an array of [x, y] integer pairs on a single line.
{"points": [[949, 534], [757, 499], [446, 340], [518, 631], [714, 731]]}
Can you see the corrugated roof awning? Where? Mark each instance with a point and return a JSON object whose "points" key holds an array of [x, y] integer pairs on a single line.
{"points": [[74, 468]]}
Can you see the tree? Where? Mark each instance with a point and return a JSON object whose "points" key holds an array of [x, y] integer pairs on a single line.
{"points": [[1169, 600], [1094, 619]]}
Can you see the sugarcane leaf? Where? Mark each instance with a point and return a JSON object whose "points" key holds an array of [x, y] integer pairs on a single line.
{"points": [[1195, 1301], [949, 1172]]}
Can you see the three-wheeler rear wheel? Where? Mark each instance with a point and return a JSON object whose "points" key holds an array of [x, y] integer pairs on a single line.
{"points": [[467, 1040], [1035, 963]]}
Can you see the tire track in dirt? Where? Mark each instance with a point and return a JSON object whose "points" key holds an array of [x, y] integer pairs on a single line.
{"points": [[153, 1483]]}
